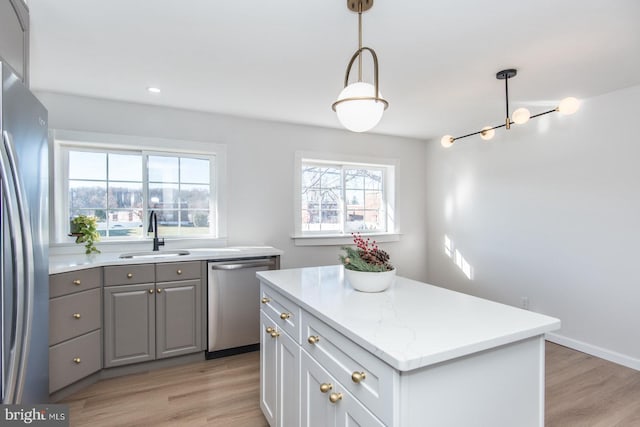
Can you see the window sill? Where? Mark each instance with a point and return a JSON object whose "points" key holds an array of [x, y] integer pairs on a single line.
{"points": [[341, 239]]}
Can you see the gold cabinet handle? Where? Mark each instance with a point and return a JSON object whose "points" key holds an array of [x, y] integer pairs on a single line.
{"points": [[129, 275], [325, 387], [313, 339], [76, 360], [76, 315], [356, 377], [76, 282], [150, 291], [179, 272], [269, 329], [159, 290], [275, 334], [265, 300], [334, 397], [285, 316]]}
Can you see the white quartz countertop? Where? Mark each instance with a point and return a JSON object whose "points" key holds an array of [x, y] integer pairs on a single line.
{"points": [[64, 263], [412, 324]]}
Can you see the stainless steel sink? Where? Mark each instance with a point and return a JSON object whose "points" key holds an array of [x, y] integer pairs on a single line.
{"points": [[156, 254]]}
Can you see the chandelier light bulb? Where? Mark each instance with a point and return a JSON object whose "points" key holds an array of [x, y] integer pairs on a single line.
{"points": [[568, 106], [359, 115], [446, 141], [487, 133], [521, 116]]}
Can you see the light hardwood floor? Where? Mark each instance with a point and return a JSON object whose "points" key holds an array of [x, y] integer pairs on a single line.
{"points": [[581, 391], [585, 391]]}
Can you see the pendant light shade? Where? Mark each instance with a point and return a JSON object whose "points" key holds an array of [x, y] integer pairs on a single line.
{"points": [[360, 105], [357, 109], [568, 106], [521, 116]]}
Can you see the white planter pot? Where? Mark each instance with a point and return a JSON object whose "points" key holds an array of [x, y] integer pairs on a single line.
{"points": [[366, 281]]}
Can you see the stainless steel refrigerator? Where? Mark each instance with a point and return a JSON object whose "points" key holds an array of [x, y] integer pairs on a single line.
{"points": [[24, 310]]}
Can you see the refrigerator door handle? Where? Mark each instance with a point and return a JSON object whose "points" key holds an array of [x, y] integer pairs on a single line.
{"points": [[24, 276]]}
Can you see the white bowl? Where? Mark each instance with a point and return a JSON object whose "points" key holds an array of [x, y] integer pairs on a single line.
{"points": [[368, 281]]}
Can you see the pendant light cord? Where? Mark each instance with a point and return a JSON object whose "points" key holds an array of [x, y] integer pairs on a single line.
{"points": [[506, 94], [360, 41]]}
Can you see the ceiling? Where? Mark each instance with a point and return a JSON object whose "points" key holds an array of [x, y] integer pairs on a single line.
{"points": [[285, 60]]}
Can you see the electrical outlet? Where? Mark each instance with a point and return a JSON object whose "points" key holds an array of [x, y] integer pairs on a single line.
{"points": [[524, 303]]}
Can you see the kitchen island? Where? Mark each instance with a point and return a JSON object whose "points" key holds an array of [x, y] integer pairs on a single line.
{"points": [[415, 355]]}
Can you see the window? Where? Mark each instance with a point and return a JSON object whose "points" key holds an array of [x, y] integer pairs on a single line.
{"points": [[341, 197], [122, 186]]}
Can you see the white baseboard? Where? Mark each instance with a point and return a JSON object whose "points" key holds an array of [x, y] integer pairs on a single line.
{"points": [[603, 353]]}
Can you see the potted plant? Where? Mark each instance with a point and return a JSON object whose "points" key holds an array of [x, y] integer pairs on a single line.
{"points": [[85, 230], [367, 267]]}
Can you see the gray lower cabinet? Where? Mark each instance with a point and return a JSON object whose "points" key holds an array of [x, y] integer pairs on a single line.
{"points": [[178, 318], [148, 321], [129, 324], [75, 339]]}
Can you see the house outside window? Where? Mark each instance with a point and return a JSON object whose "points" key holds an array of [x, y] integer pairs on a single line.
{"points": [[337, 197], [120, 187]]}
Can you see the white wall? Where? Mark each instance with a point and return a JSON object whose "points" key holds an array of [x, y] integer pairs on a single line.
{"points": [[260, 160], [549, 211]]}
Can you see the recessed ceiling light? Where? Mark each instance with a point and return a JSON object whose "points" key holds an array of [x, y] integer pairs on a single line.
{"points": [[153, 89]]}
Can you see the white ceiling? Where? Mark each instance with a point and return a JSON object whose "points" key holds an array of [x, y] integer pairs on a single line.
{"points": [[285, 60]]}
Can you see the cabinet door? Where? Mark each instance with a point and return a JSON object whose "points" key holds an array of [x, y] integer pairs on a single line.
{"points": [[268, 367], [319, 410], [14, 36], [288, 379], [129, 324], [316, 408], [178, 318]]}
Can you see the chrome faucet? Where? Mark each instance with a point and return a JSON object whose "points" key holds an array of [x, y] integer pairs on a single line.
{"points": [[153, 227]]}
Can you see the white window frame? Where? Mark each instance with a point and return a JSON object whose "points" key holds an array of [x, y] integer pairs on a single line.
{"points": [[62, 141], [331, 237]]}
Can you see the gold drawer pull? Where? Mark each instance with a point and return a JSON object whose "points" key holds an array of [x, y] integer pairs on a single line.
{"points": [[76, 360], [179, 272], [129, 275], [325, 387], [76, 315], [285, 316], [269, 329], [334, 397], [356, 377], [313, 339], [275, 334], [265, 300], [76, 282], [150, 291], [159, 290]]}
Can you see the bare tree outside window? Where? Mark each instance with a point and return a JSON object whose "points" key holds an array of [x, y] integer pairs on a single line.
{"points": [[342, 198]]}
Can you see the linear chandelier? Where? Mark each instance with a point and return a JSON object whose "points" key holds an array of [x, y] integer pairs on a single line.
{"points": [[567, 106], [360, 105]]}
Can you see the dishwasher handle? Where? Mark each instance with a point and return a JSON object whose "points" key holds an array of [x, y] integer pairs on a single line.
{"points": [[240, 265]]}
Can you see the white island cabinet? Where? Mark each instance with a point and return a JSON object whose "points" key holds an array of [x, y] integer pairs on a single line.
{"points": [[415, 355]]}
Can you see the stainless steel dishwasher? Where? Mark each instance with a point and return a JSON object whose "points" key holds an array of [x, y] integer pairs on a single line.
{"points": [[233, 304]]}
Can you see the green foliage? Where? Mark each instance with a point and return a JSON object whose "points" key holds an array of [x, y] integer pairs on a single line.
{"points": [[352, 260], [85, 229]]}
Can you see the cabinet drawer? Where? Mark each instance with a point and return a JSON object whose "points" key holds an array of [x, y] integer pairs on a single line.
{"points": [[344, 359], [284, 313], [75, 281], [73, 315], [73, 360], [170, 271], [129, 274]]}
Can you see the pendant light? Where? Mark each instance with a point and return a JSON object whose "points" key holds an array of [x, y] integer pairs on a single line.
{"points": [[360, 105], [520, 116]]}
